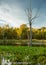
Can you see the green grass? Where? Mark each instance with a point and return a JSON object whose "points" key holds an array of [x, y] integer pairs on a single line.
{"points": [[24, 53], [24, 49]]}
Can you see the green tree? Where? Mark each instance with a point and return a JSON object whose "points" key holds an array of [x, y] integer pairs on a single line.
{"points": [[24, 30], [15, 34]]}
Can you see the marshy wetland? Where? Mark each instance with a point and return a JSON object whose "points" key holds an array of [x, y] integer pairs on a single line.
{"points": [[14, 54]]}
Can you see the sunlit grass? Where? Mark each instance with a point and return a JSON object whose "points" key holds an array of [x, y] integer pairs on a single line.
{"points": [[23, 53]]}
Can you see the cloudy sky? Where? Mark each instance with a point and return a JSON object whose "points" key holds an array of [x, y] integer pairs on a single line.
{"points": [[12, 12]]}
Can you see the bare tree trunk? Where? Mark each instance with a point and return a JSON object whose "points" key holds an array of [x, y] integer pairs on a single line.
{"points": [[30, 34], [30, 19]]}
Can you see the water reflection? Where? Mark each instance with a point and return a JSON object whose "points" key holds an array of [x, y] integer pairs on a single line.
{"points": [[5, 61], [8, 62]]}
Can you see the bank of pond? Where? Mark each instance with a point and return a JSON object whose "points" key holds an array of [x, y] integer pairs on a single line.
{"points": [[35, 42]]}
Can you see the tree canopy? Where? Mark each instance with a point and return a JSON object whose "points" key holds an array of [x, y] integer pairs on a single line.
{"points": [[23, 32]]}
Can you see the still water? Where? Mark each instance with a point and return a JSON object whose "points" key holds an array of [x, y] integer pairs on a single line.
{"points": [[7, 62]]}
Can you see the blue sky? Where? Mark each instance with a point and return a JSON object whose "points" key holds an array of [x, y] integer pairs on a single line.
{"points": [[12, 12]]}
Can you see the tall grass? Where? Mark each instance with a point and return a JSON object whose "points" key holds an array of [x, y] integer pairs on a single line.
{"points": [[24, 53]]}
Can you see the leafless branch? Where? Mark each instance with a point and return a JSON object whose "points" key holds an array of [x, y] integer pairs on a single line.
{"points": [[36, 15], [28, 12]]}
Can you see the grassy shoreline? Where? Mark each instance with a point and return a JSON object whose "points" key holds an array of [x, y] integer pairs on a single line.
{"points": [[19, 53], [26, 40], [13, 42]]}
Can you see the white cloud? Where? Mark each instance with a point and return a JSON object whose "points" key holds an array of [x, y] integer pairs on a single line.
{"points": [[14, 15]]}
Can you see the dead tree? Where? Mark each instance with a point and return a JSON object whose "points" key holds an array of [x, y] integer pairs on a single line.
{"points": [[30, 19]]}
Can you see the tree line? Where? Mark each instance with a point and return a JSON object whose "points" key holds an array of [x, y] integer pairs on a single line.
{"points": [[23, 32]]}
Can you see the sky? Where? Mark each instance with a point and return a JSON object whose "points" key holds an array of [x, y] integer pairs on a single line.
{"points": [[13, 12]]}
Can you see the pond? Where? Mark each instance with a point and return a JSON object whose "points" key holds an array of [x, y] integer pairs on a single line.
{"points": [[8, 62], [5, 62]]}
